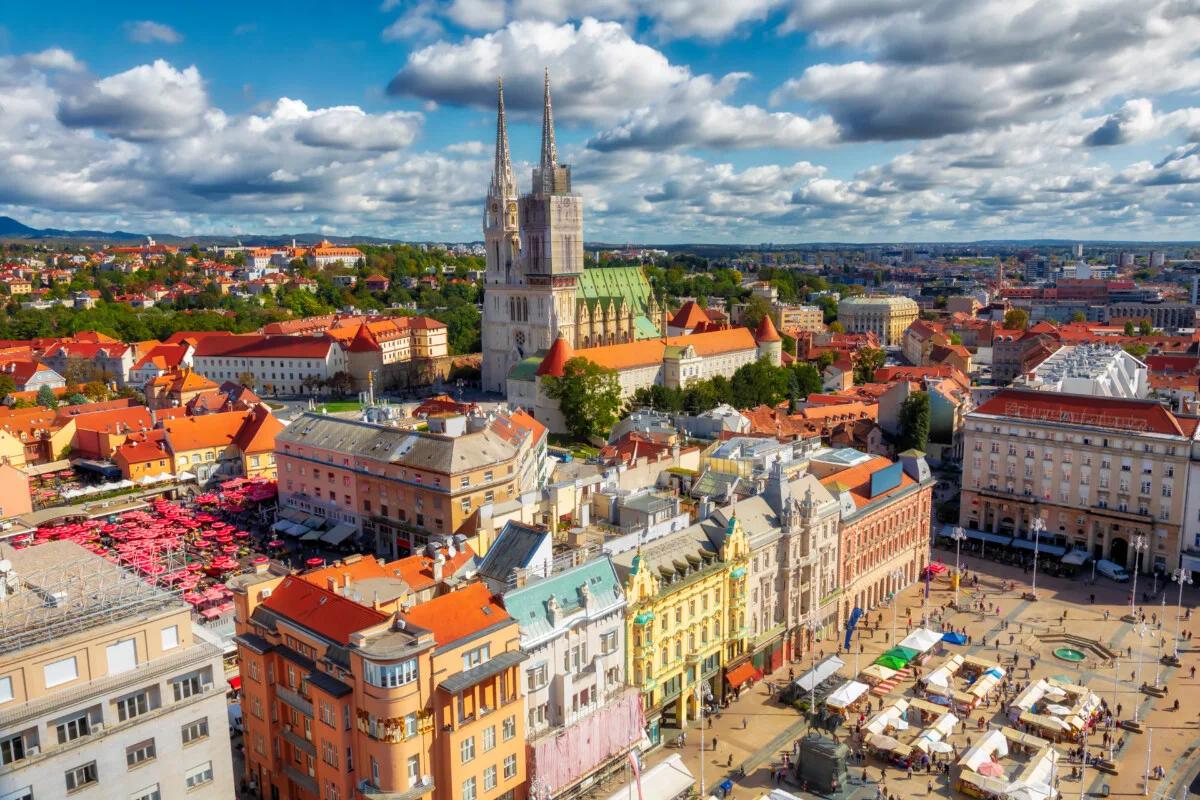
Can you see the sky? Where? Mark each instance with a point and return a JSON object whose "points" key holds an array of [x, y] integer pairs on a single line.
{"points": [[722, 121]]}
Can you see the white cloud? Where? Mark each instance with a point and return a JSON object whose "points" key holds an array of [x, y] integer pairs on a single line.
{"points": [[418, 22], [468, 148], [150, 32], [351, 128], [151, 101]]}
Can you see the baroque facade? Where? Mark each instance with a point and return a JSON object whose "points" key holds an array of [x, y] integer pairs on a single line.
{"points": [[536, 285]]}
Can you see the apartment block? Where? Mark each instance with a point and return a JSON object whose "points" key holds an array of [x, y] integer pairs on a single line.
{"points": [[104, 692]]}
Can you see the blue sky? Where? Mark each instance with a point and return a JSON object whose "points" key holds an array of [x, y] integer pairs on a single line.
{"points": [[695, 120]]}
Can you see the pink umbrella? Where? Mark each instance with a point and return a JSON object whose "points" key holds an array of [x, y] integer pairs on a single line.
{"points": [[314, 562]]}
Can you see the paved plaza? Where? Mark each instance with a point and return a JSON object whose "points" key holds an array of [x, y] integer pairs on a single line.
{"points": [[754, 732]]}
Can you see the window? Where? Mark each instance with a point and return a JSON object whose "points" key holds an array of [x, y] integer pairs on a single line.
{"points": [[139, 753], [536, 677], [389, 676], [509, 730], [489, 738], [133, 706], [60, 672], [186, 687], [73, 728], [6, 692], [194, 730], [466, 750], [81, 776], [198, 775], [170, 637], [149, 793], [468, 789], [473, 658], [414, 771], [510, 767], [410, 725], [12, 749], [489, 778]]}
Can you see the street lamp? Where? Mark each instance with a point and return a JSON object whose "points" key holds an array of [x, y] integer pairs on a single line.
{"points": [[812, 676], [1139, 545], [896, 576], [958, 535], [1181, 577], [1037, 526], [1137, 680]]}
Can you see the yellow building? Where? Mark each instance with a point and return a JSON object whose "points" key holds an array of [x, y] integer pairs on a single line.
{"points": [[886, 317], [685, 619]]}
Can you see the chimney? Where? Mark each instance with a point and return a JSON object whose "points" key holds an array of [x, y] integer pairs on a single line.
{"points": [[346, 581], [331, 584], [439, 562], [261, 569], [520, 578]]}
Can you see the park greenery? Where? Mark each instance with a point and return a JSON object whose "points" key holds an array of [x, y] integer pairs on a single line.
{"points": [[914, 423], [588, 396], [755, 384]]}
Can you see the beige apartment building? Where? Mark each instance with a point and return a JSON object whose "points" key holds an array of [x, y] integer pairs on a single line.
{"points": [[1097, 471], [886, 317], [800, 318], [104, 692]]}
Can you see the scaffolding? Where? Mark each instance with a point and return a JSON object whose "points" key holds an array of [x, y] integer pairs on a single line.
{"points": [[56, 589]]}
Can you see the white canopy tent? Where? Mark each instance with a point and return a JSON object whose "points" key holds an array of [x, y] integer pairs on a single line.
{"points": [[922, 640], [846, 694], [664, 781], [889, 717], [826, 669]]}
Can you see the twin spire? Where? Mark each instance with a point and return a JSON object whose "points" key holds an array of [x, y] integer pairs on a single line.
{"points": [[503, 184]]}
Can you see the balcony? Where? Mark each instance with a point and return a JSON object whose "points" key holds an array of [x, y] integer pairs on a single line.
{"points": [[299, 742], [301, 779], [294, 700], [366, 789]]}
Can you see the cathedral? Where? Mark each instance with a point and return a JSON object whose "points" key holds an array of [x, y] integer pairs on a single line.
{"points": [[536, 287]]}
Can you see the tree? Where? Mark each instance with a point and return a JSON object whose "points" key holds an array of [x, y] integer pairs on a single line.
{"points": [[866, 362], [247, 379], [77, 399], [342, 383], [588, 396], [836, 327], [1136, 349], [1017, 319], [7, 385], [955, 339], [756, 309], [1129, 330], [1145, 328], [914, 422], [759, 383], [1078, 316], [804, 379], [46, 398]]}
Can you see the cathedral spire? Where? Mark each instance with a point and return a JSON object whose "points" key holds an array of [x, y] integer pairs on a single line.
{"points": [[549, 150], [503, 183]]}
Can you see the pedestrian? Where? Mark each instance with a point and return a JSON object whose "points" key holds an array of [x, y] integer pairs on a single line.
{"points": [[1192, 672], [745, 723], [928, 787], [714, 747]]}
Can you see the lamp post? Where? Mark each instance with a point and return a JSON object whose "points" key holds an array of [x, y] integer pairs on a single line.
{"points": [[812, 676], [1112, 709], [1149, 746], [1139, 544], [1037, 526], [1083, 765], [896, 576], [1137, 679], [957, 535], [1181, 577]]}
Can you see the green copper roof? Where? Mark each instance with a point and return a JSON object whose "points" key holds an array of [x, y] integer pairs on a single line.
{"points": [[526, 369], [627, 283], [643, 328], [527, 605]]}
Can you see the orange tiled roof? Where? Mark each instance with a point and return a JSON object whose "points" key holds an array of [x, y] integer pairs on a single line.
{"points": [[1103, 412], [690, 315], [460, 614], [417, 570], [556, 358], [258, 432], [325, 613], [210, 430], [857, 480], [766, 331], [650, 351]]}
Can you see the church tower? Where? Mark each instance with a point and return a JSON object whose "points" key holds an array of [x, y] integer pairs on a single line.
{"points": [[551, 242], [534, 255], [502, 242]]}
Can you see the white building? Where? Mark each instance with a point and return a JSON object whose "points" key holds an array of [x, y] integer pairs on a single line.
{"points": [[287, 365], [103, 688], [1100, 370]]}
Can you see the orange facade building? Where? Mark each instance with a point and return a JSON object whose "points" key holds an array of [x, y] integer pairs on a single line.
{"points": [[353, 691]]}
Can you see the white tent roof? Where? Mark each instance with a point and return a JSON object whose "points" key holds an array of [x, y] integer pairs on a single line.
{"points": [[809, 680], [888, 717], [922, 640], [846, 694], [991, 742], [664, 781]]}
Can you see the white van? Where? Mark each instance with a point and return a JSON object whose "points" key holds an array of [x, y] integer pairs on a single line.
{"points": [[1112, 570]]}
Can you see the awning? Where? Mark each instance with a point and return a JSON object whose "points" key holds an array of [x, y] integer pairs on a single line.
{"points": [[847, 694], [311, 536], [37, 470], [664, 781], [339, 534], [826, 669], [1044, 548], [235, 682], [988, 536], [1076, 558], [921, 640], [746, 671], [937, 568], [954, 637]]}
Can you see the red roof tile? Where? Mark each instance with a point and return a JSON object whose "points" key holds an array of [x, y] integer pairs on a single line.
{"points": [[690, 315], [556, 358], [1097, 412], [766, 331], [459, 614], [321, 611]]}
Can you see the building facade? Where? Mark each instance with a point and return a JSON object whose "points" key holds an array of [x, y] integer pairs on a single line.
{"points": [[1098, 472], [278, 365], [105, 688], [886, 317]]}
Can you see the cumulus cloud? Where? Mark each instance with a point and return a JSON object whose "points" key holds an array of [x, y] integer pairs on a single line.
{"points": [[351, 128], [940, 68], [668, 19], [151, 101], [1136, 121], [150, 32]]}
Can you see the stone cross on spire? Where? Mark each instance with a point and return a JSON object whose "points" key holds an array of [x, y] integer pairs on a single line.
{"points": [[549, 150], [503, 183]]}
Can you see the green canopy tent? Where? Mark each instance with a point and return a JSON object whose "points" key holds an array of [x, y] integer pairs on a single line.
{"points": [[891, 662], [906, 654]]}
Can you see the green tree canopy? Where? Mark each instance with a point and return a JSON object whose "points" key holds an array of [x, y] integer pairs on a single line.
{"points": [[1016, 319], [588, 396], [867, 360], [914, 422], [46, 398]]}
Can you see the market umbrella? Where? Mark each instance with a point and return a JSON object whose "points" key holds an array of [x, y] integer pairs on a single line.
{"points": [[991, 769], [314, 562]]}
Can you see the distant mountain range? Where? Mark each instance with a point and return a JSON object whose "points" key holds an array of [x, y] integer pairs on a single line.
{"points": [[13, 229]]}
